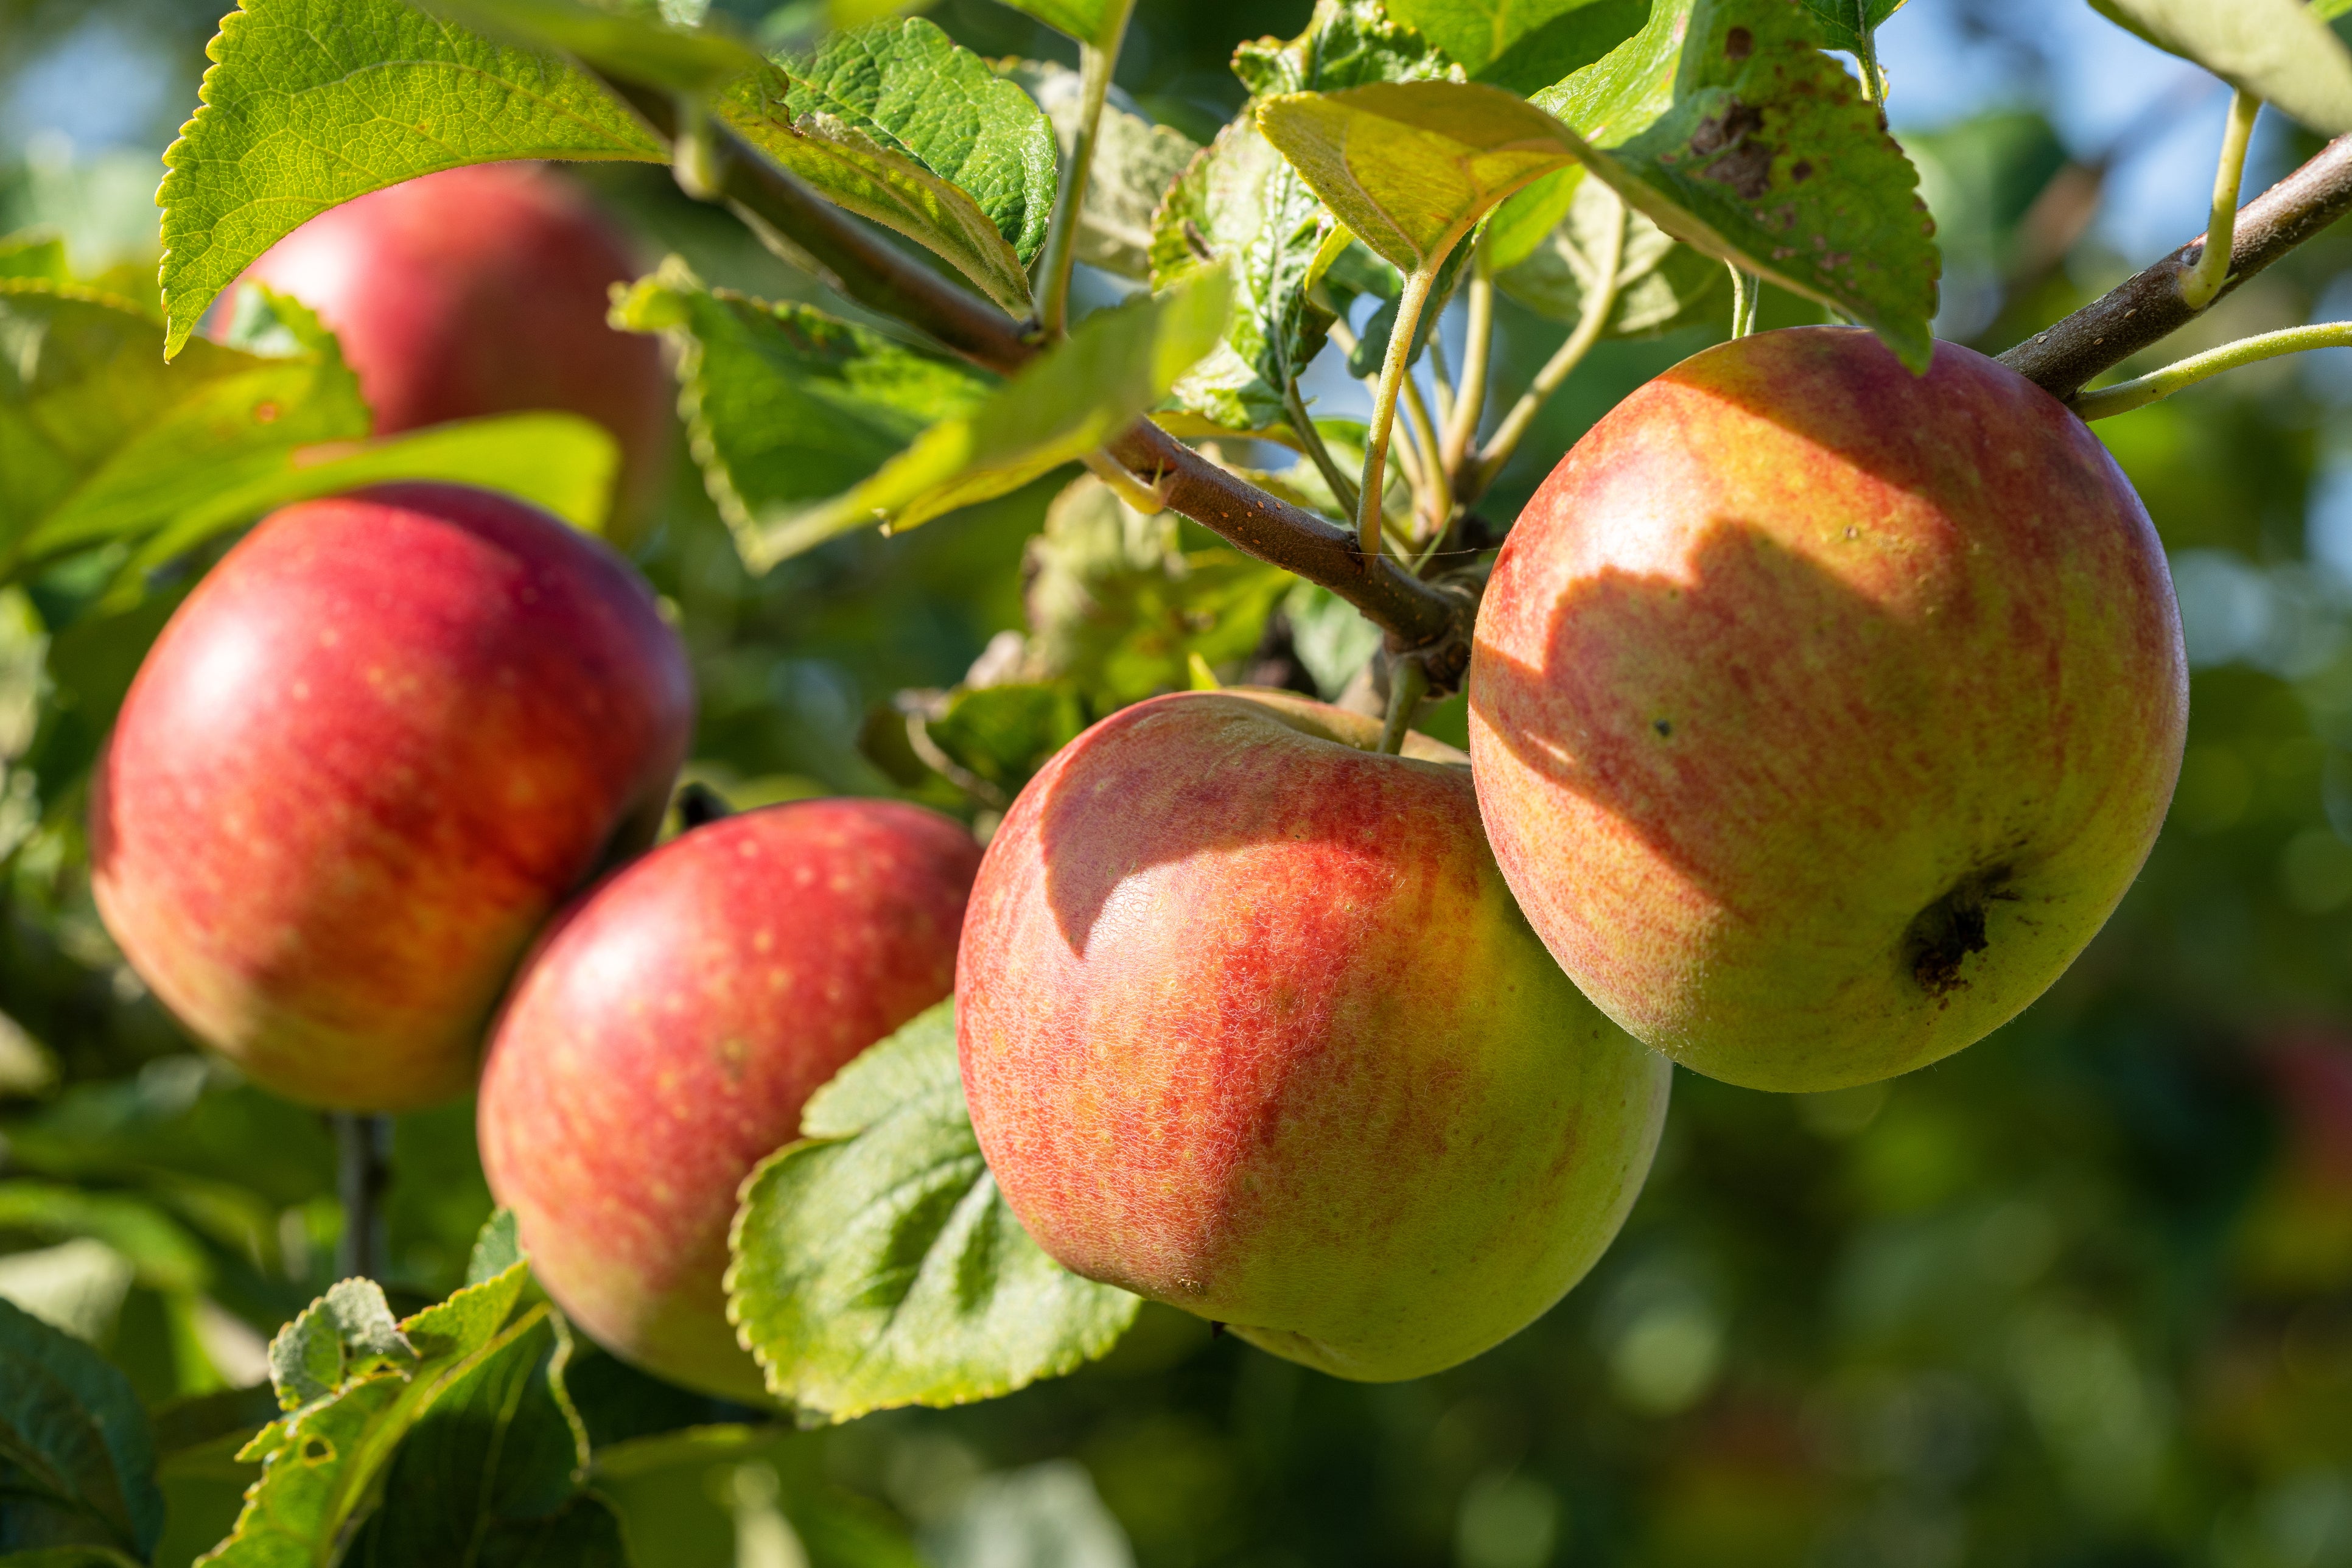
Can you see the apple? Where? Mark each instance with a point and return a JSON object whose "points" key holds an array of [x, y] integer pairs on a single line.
{"points": [[1249, 1025], [369, 756], [1820, 713], [664, 1039], [483, 290]]}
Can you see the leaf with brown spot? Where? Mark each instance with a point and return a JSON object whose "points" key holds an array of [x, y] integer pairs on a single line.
{"points": [[1757, 113]]}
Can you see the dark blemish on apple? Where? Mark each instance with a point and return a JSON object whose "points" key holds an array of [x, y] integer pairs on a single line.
{"points": [[1942, 936], [1662, 726], [1738, 44], [1216, 1330]]}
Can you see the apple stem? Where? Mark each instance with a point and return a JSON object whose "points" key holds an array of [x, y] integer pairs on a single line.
{"points": [[1873, 74], [1600, 303], [362, 1176], [1477, 350], [1408, 683], [1095, 63], [2201, 286], [1426, 472], [1310, 441], [2141, 391], [1417, 284], [1746, 290]]}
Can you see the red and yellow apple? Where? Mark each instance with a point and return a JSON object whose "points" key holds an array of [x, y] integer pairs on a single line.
{"points": [[1249, 1025], [483, 291], [664, 1039], [371, 754], [1822, 714]]}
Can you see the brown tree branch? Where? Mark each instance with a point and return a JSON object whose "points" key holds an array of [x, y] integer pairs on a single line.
{"points": [[2149, 306], [1420, 617]]}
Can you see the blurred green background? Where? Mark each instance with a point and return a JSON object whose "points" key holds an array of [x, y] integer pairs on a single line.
{"points": [[2080, 1296]]}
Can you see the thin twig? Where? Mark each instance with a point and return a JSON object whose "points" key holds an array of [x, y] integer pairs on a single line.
{"points": [[2202, 283], [1873, 77], [1310, 441], [362, 1176], [1094, 65], [2141, 391], [2149, 308], [1477, 351], [861, 265], [1600, 303], [1384, 397], [1421, 431], [1746, 294], [1407, 684], [1441, 374]]}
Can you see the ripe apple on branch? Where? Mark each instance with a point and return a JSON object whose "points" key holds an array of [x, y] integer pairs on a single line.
{"points": [[1822, 703]]}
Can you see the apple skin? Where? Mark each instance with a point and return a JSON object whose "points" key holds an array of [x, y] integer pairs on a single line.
{"points": [[370, 755], [1822, 714], [664, 1037], [1249, 1025], [483, 290]]}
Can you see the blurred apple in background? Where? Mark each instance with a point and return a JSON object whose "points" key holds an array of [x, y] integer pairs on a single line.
{"points": [[483, 290]]}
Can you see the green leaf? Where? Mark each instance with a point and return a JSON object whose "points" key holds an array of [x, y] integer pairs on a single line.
{"points": [[103, 439], [1411, 166], [1478, 33], [898, 124], [637, 47], [2282, 51], [160, 1250], [346, 1333], [1661, 285], [490, 1474], [38, 254], [1567, 44], [1331, 637], [1347, 43], [910, 88], [677, 1475], [1622, 94], [1004, 733], [1766, 157], [1135, 163], [1845, 23], [876, 1264], [495, 1250], [311, 102], [1240, 204], [1095, 22], [1115, 364], [786, 406], [77, 1458], [103, 442], [563, 462], [325, 1461], [1115, 607]]}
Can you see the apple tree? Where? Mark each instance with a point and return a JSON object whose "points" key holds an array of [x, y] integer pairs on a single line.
{"points": [[1261, 1004]]}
